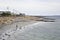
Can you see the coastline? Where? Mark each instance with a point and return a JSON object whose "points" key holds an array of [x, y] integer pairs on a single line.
{"points": [[18, 24], [13, 32], [10, 32]]}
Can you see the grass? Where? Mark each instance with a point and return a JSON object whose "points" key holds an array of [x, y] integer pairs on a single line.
{"points": [[6, 20]]}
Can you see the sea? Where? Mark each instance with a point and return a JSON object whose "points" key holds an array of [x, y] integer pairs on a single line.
{"points": [[42, 31]]}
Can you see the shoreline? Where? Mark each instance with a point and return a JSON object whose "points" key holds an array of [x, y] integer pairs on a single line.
{"points": [[17, 25], [13, 31]]}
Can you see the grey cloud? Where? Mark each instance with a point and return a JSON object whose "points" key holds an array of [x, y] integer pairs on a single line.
{"points": [[48, 0]]}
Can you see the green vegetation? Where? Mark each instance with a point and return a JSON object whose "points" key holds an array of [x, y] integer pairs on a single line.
{"points": [[22, 14], [6, 14]]}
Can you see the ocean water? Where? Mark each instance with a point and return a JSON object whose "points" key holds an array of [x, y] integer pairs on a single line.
{"points": [[41, 31]]}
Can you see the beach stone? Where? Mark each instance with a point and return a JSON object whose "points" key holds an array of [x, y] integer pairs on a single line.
{"points": [[3, 39]]}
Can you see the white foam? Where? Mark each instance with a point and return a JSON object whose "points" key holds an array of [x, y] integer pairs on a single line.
{"points": [[12, 31]]}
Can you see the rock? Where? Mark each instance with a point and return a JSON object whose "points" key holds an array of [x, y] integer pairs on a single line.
{"points": [[3, 39]]}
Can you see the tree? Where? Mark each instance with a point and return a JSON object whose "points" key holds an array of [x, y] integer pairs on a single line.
{"points": [[6, 14], [22, 14]]}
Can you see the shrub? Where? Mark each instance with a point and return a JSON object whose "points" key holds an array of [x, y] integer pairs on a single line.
{"points": [[6, 14]]}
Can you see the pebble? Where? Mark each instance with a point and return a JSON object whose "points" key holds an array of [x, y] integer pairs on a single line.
{"points": [[3, 39], [8, 33]]}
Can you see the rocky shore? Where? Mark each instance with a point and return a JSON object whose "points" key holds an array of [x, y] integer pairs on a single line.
{"points": [[17, 25], [9, 20], [13, 24]]}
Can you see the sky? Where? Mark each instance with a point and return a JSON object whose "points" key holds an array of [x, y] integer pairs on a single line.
{"points": [[32, 7]]}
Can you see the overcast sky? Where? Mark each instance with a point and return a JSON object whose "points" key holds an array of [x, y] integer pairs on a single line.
{"points": [[33, 7]]}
